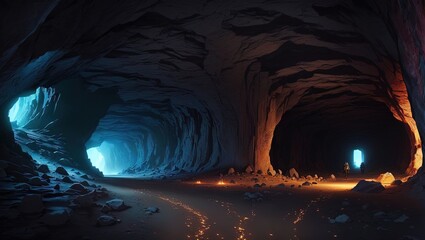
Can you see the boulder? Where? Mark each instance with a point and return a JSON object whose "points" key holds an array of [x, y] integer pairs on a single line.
{"points": [[386, 178], [31, 204], [78, 187], [231, 171], [62, 171], [36, 181], [67, 180], [293, 173], [249, 169], [43, 168], [116, 204], [56, 218], [368, 187], [106, 220]]}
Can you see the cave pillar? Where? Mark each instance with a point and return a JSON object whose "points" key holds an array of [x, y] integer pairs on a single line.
{"points": [[268, 118]]}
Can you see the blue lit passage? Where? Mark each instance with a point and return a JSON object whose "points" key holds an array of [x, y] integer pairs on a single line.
{"points": [[357, 158], [96, 158], [22, 109]]}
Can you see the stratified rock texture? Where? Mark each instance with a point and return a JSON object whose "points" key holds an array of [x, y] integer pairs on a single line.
{"points": [[176, 88]]}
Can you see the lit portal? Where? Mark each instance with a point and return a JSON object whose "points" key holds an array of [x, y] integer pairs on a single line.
{"points": [[96, 158], [357, 158], [21, 110]]}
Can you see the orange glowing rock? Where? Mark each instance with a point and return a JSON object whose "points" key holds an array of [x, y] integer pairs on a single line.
{"points": [[386, 178], [198, 182]]}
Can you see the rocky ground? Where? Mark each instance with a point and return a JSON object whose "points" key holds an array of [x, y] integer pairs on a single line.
{"points": [[234, 205]]}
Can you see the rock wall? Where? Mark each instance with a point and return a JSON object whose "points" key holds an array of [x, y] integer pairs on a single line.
{"points": [[203, 84]]}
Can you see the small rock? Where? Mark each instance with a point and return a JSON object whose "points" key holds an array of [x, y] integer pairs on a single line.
{"points": [[271, 172], [106, 220], [61, 171], [256, 185], [85, 176], [56, 218], [281, 185], [263, 185], [106, 209], [293, 173], [232, 181], [280, 172], [253, 196], [401, 219], [31, 203], [43, 168], [231, 171], [45, 176], [309, 177], [85, 183], [307, 183], [151, 210], [333, 177], [368, 187], [36, 181], [67, 180], [249, 169], [343, 218], [116, 204], [259, 172], [57, 187], [314, 183], [315, 176], [78, 187]]}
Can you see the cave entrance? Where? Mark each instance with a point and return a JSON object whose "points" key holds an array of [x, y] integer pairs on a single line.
{"points": [[23, 109], [320, 138], [96, 158], [111, 158]]}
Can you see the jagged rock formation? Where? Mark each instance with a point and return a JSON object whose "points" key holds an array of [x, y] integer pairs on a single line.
{"points": [[203, 85]]}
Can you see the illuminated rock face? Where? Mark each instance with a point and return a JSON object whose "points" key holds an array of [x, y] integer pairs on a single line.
{"points": [[203, 85]]}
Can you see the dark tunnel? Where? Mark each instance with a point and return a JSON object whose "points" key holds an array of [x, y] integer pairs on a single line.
{"points": [[322, 140]]}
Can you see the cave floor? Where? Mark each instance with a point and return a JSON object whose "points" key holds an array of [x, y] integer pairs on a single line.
{"points": [[207, 210]]}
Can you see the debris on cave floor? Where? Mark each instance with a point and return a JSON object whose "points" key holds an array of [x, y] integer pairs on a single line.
{"points": [[51, 197]]}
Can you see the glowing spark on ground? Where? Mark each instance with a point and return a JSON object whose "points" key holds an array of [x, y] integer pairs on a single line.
{"points": [[198, 182], [200, 234], [221, 182]]}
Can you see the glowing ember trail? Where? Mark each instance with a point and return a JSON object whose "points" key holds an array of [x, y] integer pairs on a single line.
{"points": [[200, 234], [240, 230]]}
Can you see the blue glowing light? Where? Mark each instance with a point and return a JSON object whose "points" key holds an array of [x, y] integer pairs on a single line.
{"points": [[22, 109], [357, 158], [96, 158]]}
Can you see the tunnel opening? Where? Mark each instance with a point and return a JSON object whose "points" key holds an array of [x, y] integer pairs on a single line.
{"points": [[322, 138], [25, 116]]}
